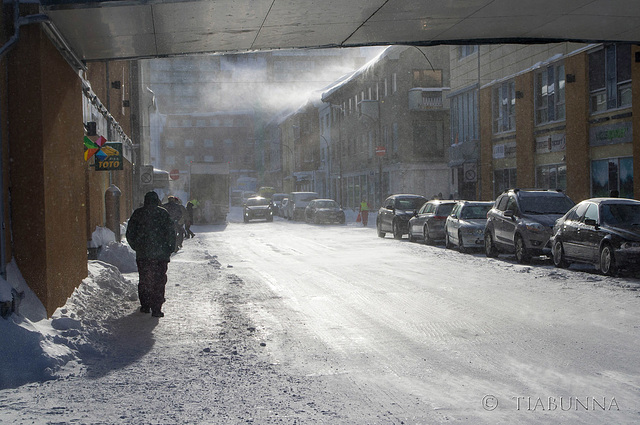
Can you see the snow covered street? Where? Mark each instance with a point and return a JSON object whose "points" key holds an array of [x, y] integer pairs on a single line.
{"points": [[294, 323]]}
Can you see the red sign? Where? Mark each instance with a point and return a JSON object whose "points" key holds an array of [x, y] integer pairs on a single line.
{"points": [[381, 151], [174, 174]]}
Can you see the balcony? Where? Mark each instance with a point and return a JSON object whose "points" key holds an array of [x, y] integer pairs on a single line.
{"points": [[428, 99]]}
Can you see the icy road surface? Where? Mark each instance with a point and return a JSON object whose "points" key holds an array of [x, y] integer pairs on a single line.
{"points": [[307, 324]]}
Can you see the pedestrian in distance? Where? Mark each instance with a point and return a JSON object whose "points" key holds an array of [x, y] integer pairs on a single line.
{"points": [[151, 234], [364, 212], [189, 221], [174, 208]]}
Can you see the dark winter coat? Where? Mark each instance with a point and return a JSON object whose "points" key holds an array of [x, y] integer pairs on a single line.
{"points": [[175, 211], [151, 233]]}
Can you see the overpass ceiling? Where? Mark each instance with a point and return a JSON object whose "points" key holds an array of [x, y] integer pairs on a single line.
{"points": [[98, 30]]}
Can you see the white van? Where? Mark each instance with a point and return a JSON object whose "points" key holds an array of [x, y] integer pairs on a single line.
{"points": [[298, 201]]}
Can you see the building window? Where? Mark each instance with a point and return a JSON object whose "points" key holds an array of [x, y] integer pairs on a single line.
{"points": [[464, 117], [170, 160], [504, 107], [467, 50], [427, 78], [386, 89], [428, 139], [612, 174], [208, 158], [189, 159], [188, 143], [170, 144], [503, 180], [610, 77], [394, 83], [551, 177], [549, 94], [208, 143]]}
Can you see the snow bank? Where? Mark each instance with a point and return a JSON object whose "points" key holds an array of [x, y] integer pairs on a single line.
{"points": [[119, 255], [101, 237], [35, 348]]}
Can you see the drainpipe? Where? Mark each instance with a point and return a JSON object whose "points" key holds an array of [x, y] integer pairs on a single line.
{"points": [[18, 21]]}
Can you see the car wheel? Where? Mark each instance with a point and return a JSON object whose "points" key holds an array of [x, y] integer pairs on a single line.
{"points": [[425, 235], [489, 247], [559, 259], [522, 256], [447, 241], [397, 233], [461, 247], [608, 265], [381, 234]]}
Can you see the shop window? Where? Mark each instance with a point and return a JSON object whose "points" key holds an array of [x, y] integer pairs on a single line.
{"points": [[551, 177], [504, 179], [610, 77], [504, 107], [549, 94], [612, 174]]}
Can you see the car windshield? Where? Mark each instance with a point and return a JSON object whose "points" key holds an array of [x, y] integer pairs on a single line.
{"points": [[252, 202], [472, 212], [327, 204], [545, 204], [620, 214], [409, 203]]}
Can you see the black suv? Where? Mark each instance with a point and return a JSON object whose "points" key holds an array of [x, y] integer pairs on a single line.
{"points": [[521, 222], [395, 212]]}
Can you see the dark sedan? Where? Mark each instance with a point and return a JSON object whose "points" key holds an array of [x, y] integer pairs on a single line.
{"points": [[257, 208], [428, 223], [395, 212], [324, 211], [604, 232]]}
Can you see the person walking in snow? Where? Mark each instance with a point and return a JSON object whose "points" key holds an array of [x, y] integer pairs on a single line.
{"points": [[189, 221], [151, 234], [364, 212], [174, 208]]}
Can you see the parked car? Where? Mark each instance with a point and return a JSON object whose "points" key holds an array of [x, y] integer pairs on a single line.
{"points": [[324, 211], [428, 222], [521, 222], [465, 225], [395, 212], [277, 198], [257, 208], [298, 201], [604, 232]]}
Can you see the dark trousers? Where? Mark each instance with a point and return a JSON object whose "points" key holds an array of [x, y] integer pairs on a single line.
{"points": [[153, 279], [365, 217], [187, 230]]}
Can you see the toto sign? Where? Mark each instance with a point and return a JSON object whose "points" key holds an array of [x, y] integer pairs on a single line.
{"points": [[174, 174]]}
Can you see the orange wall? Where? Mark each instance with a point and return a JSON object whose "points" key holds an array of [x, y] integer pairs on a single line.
{"points": [[45, 164]]}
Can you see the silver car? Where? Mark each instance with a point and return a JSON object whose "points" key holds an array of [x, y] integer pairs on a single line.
{"points": [[464, 228]]}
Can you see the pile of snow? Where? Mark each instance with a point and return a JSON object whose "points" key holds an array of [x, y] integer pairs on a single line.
{"points": [[101, 237], [119, 255], [35, 348]]}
